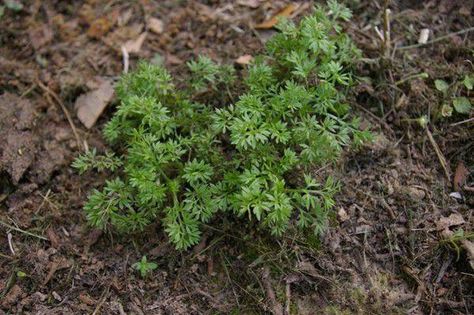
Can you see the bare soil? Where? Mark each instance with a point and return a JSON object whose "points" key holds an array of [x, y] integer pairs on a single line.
{"points": [[386, 250]]}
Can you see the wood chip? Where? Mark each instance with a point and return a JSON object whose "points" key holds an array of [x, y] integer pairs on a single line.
{"points": [[155, 25], [285, 12], [90, 106]]}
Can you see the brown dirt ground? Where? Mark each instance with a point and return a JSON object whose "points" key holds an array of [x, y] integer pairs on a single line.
{"points": [[385, 251]]}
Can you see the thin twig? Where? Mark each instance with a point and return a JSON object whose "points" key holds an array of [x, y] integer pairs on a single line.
{"points": [[102, 300], [5, 256], [50, 94], [224, 261], [462, 122], [386, 30], [467, 30], [440, 155], [125, 59], [23, 231], [288, 298], [10, 243]]}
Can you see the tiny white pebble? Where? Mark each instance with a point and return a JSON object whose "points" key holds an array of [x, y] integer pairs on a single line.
{"points": [[455, 195], [424, 35]]}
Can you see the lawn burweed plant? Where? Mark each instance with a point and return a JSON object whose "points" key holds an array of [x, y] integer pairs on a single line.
{"points": [[184, 163]]}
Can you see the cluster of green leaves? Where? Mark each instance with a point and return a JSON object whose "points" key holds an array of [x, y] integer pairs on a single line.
{"points": [[184, 162], [451, 95], [207, 74]]}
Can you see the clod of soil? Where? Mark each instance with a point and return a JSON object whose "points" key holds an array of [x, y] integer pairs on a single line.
{"points": [[19, 145]]}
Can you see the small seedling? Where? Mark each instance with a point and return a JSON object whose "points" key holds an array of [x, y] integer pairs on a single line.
{"points": [[453, 241], [144, 267], [452, 99]]}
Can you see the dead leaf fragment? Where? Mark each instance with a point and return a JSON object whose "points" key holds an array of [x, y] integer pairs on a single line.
{"points": [[12, 296], [155, 25], [285, 12], [89, 106], [244, 59], [86, 299], [446, 222], [40, 36], [249, 3], [460, 176], [134, 46], [53, 238], [342, 215], [99, 28], [469, 247]]}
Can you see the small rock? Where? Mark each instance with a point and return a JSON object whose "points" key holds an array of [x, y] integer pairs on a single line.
{"points": [[56, 296], [455, 195]]}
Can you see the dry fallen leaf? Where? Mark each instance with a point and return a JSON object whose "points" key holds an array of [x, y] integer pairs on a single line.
{"points": [[446, 222], [133, 46], [342, 215], [249, 3], [173, 60], [99, 28], [89, 106], [155, 25], [285, 12], [460, 176], [40, 36], [469, 247], [124, 18], [244, 59]]}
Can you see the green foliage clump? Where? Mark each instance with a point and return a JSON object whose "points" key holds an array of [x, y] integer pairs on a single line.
{"points": [[452, 98], [184, 162]]}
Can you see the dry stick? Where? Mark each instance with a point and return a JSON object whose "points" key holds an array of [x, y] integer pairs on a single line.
{"points": [[440, 155], [105, 294], [386, 30], [63, 108], [467, 30], [288, 298], [276, 307], [10, 243], [462, 122], [23, 231]]}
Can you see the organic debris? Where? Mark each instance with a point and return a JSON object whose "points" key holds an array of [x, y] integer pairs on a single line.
{"points": [[90, 106]]}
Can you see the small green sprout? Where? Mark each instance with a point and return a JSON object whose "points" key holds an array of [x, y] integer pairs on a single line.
{"points": [[144, 267]]}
